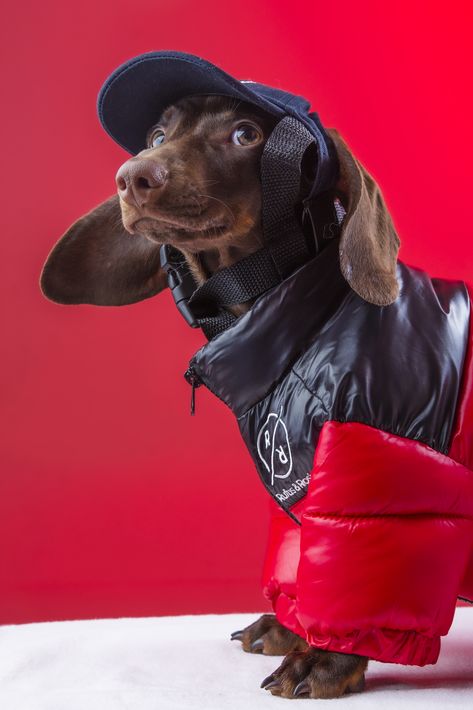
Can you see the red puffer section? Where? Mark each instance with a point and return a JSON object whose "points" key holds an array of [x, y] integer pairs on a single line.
{"points": [[281, 562], [387, 532]]}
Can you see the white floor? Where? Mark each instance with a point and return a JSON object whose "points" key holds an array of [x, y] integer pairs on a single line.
{"points": [[178, 663]]}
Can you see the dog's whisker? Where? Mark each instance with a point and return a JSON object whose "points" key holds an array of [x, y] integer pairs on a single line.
{"points": [[223, 203], [117, 223], [194, 197]]}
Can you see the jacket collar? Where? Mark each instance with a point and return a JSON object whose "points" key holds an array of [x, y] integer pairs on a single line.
{"points": [[243, 364]]}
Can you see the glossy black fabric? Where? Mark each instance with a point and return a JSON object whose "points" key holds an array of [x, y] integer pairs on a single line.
{"points": [[311, 350]]}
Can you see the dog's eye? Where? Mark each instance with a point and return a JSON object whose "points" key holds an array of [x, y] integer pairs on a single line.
{"points": [[246, 134], [157, 138]]}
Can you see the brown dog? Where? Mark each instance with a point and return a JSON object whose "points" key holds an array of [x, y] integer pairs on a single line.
{"points": [[197, 186]]}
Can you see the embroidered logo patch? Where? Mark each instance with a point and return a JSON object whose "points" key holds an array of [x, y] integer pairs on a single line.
{"points": [[273, 447]]}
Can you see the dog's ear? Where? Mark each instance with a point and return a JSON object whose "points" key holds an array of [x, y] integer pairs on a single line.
{"points": [[369, 243], [97, 261]]}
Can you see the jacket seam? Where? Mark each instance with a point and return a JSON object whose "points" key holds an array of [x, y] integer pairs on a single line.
{"points": [[314, 394], [356, 516]]}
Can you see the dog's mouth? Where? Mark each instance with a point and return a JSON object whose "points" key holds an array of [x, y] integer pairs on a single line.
{"points": [[166, 228], [190, 224], [214, 226]]}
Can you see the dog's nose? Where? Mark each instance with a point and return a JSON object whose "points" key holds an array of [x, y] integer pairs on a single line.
{"points": [[137, 178]]}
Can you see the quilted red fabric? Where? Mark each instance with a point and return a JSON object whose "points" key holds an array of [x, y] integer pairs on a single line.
{"points": [[385, 547]]}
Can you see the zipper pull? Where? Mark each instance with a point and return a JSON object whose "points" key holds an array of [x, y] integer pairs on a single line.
{"points": [[194, 380]]}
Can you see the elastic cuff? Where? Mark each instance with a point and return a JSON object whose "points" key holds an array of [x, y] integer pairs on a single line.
{"points": [[387, 645]]}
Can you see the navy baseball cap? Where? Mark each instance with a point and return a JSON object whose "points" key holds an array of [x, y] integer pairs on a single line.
{"points": [[133, 97]]}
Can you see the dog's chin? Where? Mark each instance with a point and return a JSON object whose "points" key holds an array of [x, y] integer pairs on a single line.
{"points": [[166, 232]]}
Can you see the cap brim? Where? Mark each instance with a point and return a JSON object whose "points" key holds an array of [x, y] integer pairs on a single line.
{"points": [[134, 96]]}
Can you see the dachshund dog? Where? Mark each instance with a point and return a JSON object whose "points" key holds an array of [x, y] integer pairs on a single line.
{"points": [[197, 186]]}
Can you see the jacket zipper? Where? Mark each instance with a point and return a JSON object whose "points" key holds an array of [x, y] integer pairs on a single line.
{"points": [[194, 380]]}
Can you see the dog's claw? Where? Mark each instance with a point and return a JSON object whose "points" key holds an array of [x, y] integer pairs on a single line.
{"points": [[267, 680], [257, 646], [301, 688], [273, 684], [236, 636], [317, 673]]}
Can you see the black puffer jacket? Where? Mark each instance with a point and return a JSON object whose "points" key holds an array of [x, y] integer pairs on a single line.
{"points": [[359, 419]]}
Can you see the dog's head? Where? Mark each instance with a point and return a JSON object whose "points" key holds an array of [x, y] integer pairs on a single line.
{"points": [[197, 186]]}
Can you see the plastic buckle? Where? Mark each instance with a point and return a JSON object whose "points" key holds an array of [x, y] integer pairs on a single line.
{"points": [[180, 281]]}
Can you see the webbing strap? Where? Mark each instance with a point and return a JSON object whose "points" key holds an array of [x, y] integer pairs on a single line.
{"points": [[238, 283], [281, 181]]}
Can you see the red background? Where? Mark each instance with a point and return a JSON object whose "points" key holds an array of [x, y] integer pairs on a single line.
{"points": [[113, 501]]}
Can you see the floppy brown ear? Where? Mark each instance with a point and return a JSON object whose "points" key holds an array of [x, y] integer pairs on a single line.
{"points": [[97, 261], [369, 243]]}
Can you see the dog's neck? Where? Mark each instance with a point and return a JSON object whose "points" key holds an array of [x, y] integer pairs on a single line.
{"points": [[206, 262]]}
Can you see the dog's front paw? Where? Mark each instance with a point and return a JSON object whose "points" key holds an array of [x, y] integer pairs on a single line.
{"points": [[268, 636], [317, 674]]}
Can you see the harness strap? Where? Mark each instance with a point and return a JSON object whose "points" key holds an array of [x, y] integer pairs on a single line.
{"points": [[281, 168], [244, 280], [238, 283]]}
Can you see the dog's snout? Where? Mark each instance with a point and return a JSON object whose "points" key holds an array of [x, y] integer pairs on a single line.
{"points": [[136, 178]]}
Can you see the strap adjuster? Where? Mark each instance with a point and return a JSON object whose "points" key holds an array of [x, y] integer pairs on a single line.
{"points": [[180, 281]]}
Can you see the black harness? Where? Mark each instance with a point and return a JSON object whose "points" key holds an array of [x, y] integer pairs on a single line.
{"points": [[287, 244]]}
